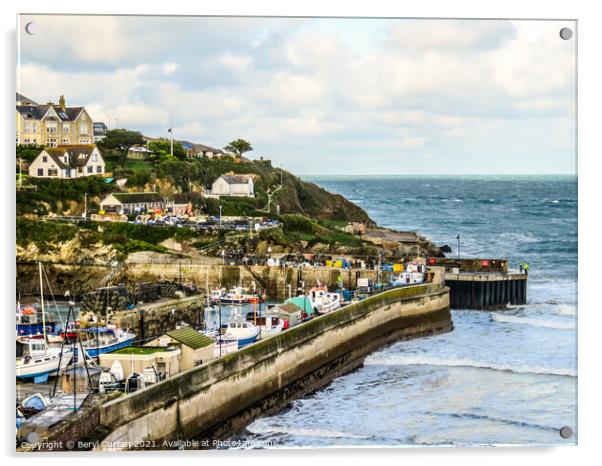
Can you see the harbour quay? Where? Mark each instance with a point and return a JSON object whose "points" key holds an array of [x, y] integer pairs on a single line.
{"points": [[485, 284]]}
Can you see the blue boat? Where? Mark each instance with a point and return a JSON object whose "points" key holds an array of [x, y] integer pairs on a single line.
{"points": [[101, 340]]}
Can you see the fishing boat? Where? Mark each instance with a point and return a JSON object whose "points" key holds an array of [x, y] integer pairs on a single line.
{"points": [[244, 333], [101, 340], [268, 324], [412, 275], [36, 359], [29, 322], [234, 296], [323, 301], [217, 294]]}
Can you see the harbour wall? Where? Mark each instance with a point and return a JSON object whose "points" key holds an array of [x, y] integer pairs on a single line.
{"points": [[274, 280], [154, 319], [218, 399], [487, 291]]}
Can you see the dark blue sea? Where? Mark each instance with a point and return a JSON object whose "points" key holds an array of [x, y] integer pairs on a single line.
{"points": [[507, 377]]}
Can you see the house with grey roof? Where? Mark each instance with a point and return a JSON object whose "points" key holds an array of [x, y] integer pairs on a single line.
{"points": [[232, 184], [68, 162], [51, 124]]}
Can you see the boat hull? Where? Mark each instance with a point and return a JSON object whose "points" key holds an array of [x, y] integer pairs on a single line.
{"points": [[32, 370], [95, 351]]}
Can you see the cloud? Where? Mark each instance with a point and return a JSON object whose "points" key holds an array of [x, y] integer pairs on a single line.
{"points": [[340, 95]]}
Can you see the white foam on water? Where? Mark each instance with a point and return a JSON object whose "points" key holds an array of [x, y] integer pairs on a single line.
{"points": [[300, 431], [422, 360], [508, 319]]}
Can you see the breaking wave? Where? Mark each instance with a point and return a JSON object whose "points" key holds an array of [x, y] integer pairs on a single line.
{"points": [[534, 322], [419, 360]]}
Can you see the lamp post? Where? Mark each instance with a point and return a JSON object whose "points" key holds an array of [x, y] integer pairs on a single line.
{"points": [[458, 238], [85, 205], [220, 217]]}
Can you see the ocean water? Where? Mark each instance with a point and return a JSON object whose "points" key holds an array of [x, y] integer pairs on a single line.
{"points": [[506, 377]]}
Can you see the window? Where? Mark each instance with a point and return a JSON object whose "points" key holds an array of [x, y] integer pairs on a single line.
{"points": [[40, 172], [90, 168], [65, 140], [94, 157], [51, 127], [68, 173], [99, 169], [51, 142], [66, 127], [27, 128], [65, 159], [53, 172], [83, 128], [44, 159]]}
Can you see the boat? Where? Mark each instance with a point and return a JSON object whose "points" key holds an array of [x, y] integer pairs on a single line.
{"points": [[33, 405], [29, 322], [217, 294], [101, 340], [268, 324], [412, 275], [323, 301], [224, 345], [244, 333], [36, 359]]}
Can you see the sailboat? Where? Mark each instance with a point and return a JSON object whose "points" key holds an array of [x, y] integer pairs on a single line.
{"points": [[35, 358]]}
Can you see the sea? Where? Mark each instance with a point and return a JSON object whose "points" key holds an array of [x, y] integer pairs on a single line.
{"points": [[507, 377]]}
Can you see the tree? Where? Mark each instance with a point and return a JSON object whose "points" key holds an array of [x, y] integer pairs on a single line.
{"points": [[239, 147], [121, 140], [161, 149]]}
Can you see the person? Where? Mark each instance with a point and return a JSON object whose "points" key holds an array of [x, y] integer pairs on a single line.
{"points": [[520, 267], [527, 268]]}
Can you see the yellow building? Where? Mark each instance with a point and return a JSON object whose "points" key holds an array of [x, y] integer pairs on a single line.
{"points": [[52, 125]]}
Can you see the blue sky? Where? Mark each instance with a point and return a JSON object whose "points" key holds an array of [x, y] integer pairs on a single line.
{"points": [[323, 96]]}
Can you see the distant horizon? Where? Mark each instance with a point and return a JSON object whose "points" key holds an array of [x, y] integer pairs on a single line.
{"points": [[388, 175]]}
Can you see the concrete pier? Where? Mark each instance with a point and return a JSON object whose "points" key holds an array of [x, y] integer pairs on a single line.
{"points": [[486, 290], [218, 399]]}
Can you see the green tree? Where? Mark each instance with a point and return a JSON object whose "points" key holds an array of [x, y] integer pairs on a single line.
{"points": [[28, 152], [239, 147], [161, 149], [121, 140]]}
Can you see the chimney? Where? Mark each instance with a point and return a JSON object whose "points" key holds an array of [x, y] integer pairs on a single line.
{"points": [[62, 102]]}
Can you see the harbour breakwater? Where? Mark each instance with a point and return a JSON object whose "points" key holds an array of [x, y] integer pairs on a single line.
{"points": [[218, 399]]}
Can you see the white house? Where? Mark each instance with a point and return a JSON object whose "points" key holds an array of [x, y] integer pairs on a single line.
{"points": [[233, 185], [67, 162]]}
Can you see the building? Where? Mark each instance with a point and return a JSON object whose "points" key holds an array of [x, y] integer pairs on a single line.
{"points": [[67, 162], [139, 152], [131, 203], [166, 361], [200, 150], [195, 347], [233, 185], [52, 125], [100, 130]]}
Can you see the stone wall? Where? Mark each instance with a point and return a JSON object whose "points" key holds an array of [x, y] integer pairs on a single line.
{"points": [[154, 319], [218, 399]]}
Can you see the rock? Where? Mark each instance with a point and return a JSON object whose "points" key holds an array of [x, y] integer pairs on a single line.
{"points": [[445, 248]]}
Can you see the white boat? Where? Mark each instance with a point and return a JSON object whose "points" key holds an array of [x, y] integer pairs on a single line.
{"points": [[244, 333], [412, 275], [323, 301], [217, 294], [224, 346], [36, 359], [268, 324]]}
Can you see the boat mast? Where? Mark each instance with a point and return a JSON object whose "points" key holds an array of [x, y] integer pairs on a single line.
{"points": [[42, 299]]}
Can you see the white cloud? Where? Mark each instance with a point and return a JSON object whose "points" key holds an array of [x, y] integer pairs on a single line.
{"points": [[455, 89]]}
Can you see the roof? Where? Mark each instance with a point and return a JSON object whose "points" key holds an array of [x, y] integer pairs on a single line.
{"points": [[236, 179], [285, 308], [204, 148], [25, 100], [36, 112], [134, 198], [190, 337], [79, 155], [302, 303]]}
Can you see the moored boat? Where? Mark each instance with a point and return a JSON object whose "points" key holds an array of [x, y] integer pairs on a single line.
{"points": [[324, 301], [244, 333], [36, 359], [268, 324]]}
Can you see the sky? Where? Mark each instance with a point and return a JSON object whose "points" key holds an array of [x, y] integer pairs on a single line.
{"points": [[323, 96]]}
